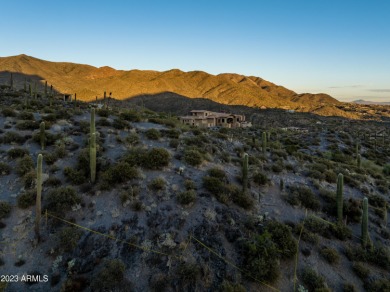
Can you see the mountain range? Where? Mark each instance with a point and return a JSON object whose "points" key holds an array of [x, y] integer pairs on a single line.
{"points": [[362, 101], [90, 82]]}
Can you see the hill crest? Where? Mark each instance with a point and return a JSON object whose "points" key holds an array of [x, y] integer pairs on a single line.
{"points": [[226, 88]]}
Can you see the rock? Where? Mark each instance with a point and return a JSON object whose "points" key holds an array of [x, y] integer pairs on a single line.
{"points": [[99, 213], [115, 213]]}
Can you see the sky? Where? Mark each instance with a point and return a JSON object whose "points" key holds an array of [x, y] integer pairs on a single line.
{"points": [[341, 47]]}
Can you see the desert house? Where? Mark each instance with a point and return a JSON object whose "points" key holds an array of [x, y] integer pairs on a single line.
{"points": [[205, 118]]}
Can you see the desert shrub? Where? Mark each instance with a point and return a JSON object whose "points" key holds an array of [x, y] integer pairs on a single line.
{"points": [[120, 124], [5, 169], [7, 112], [382, 285], [5, 209], [137, 205], [217, 173], [238, 196], [214, 185], [26, 116], [119, 173], [312, 280], [153, 134], [188, 273], [386, 169], [260, 178], [167, 122], [330, 176], [68, 238], [157, 184], [24, 165], [53, 182], [174, 143], [27, 125], [261, 256], [109, 276], [197, 141], [171, 133], [29, 179], [17, 152], [77, 177], [377, 255], [193, 157], [60, 200], [103, 122], [156, 158], [13, 137], [281, 235], [347, 287], [186, 197], [319, 226], [304, 196], [189, 184], [361, 270], [227, 286], [330, 255], [131, 116], [103, 112], [133, 139]]}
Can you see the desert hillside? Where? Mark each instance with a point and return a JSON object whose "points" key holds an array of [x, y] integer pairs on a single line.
{"points": [[89, 82]]}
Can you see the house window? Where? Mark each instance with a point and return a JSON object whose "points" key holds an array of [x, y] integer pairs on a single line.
{"points": [[238, 119], [223, 120], [205, 114]]}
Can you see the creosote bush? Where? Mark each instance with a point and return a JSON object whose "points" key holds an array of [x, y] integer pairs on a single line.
{"points": [[26, 199], [5, 209], [60, 200], [153, 134], [193, 157], [24, 165], [312, 280], [157, 184], [330, 255], [5, 169], [68, 238], [109, 276], [186, 197]]}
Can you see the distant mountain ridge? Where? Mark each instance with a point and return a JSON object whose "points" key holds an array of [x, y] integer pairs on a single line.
{"points": [[362, 101], [227, 88]]}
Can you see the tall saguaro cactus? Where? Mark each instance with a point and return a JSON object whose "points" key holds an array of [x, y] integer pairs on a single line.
{"points": [[339, 197], [38, 208], [365, 239], [92, 128], [92, 146], [92, 157], [359, 161], [42, 135], [264, 142], [245, 172]]}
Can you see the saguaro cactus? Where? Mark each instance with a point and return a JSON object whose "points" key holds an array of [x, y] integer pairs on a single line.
{"points": [[245, 172], [30, 89], [45, 88], [25, 85], [359, 161], [38, 208], [92, 157], [42, 135], [365, 239], [339, 197], [92, 128], [264, 141]]}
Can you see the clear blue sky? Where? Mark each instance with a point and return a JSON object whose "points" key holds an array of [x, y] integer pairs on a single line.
{"points": [[338, 47]]}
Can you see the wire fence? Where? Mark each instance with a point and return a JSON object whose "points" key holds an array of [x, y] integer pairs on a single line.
{"points": [[192, 238]]}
